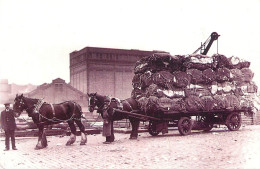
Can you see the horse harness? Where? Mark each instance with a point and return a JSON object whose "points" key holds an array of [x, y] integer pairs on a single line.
{"points": [[104, 106], [129, 105], [120, 104], [38, 105], [53, 111], [107, 102], [53, 119]]}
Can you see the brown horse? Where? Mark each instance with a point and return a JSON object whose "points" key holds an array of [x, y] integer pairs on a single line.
{"points": [[107, 108], [45, 114]]}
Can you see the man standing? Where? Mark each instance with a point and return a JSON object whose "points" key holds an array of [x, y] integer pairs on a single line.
{"points": [[9, 125]]}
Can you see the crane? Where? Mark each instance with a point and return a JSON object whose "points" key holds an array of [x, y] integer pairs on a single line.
{"points": [[204, 48]]}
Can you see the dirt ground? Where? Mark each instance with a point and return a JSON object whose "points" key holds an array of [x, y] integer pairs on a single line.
{"points": [[219, 148]]}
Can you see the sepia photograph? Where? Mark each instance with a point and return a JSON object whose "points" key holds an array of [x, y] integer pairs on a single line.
{"points": [[129, 84]]}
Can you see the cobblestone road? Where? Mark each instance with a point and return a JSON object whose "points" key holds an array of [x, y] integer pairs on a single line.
{"points": [[219, 148]]}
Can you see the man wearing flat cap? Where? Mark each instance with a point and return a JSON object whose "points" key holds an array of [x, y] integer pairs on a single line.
{"points": [[9, 126]]}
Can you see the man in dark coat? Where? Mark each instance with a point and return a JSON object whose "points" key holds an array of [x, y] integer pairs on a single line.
{"points": [[9, 126]]}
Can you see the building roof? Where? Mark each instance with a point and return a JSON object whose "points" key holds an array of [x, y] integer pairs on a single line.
{"points": [[112, 50], [44, 86]]}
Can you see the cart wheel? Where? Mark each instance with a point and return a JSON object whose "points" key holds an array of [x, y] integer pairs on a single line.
{"points": [[152, 129], [206, 125], [233, 121], [184, 126]]}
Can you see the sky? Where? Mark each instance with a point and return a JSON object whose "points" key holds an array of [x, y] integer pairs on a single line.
{"points": [[37, 36]]}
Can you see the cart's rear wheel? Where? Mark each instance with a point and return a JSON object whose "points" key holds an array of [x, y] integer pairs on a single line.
{"points": [[184, 126], [152, 129], [233, 121]]}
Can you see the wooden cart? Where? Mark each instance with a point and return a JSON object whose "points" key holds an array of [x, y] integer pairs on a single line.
{"points": [[186, 121]]}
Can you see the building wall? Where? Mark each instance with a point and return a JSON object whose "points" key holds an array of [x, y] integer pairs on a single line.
{"points": [[5, 91], [113, 80], [104, 70], [59, 91]]}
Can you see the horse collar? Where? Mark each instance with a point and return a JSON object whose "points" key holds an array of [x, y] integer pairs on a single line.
{"points": [[38, 106]]}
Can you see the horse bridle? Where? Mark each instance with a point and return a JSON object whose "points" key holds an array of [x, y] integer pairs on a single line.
{"points": [[102, 107], [22, 105], [95, 100]]}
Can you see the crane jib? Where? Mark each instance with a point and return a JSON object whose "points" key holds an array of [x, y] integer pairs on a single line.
{"points": [[204, 48]]}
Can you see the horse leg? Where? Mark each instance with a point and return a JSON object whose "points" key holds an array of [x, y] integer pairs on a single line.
{"points": [[135, 125], [42, 141], [82, 131], [73, 133]]}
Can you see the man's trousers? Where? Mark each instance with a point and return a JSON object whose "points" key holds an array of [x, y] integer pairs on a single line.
{"points": [[9, 134]]}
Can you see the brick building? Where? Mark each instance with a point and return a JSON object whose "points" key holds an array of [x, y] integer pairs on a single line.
{"points": [[104, 70]]}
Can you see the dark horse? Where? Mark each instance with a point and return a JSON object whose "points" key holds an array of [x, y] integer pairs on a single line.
{"points": [[45, 114], [106, 107]]}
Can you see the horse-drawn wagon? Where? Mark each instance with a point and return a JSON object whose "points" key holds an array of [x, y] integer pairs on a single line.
{"points": [[162, 119], [203, 120], [188, 92]]}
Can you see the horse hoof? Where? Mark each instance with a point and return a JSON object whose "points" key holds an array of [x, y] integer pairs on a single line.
{"points": [[38, 148], [133, 138], [82, 144], [68, 143], [107, 142]]}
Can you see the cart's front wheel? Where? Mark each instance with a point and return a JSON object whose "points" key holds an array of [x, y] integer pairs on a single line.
{"points": [[184, 126], [233, 121], [152, 129]]}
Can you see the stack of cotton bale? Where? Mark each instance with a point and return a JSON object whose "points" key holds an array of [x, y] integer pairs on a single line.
{"points": [[193, 83]]}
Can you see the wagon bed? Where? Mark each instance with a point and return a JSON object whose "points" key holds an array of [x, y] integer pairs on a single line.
{"points": [[204, 119]]}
